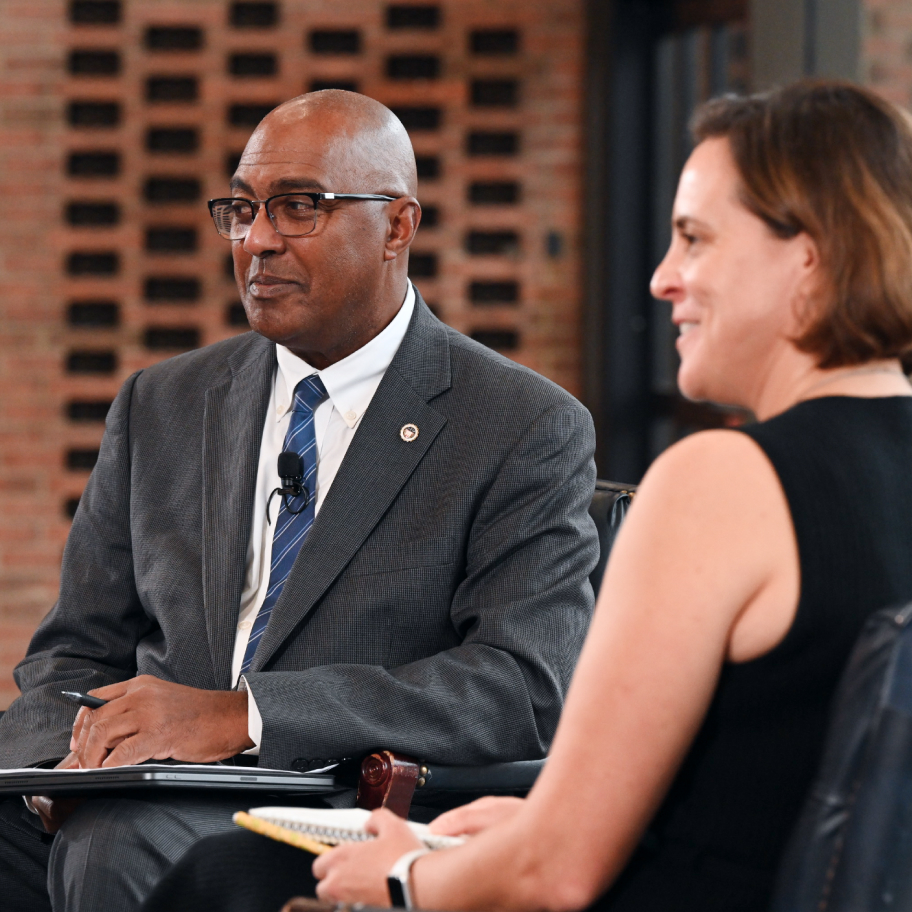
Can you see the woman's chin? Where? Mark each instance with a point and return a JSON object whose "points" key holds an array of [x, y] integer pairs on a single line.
{"points": [[691, 385], [698, 388]]}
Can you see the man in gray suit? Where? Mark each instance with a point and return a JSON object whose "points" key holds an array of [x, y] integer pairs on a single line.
{"points": [[423, 587]]}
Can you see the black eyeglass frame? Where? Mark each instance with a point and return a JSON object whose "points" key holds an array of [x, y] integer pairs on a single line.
{"points": [[316, 198]]}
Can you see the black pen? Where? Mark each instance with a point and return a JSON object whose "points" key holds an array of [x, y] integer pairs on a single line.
{"points": [[84, 699]]}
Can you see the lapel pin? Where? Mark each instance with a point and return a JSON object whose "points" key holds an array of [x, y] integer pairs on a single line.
{"points": [[409, 432]]}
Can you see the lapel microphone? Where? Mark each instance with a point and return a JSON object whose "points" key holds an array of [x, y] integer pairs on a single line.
{"points": [[291, 471]]}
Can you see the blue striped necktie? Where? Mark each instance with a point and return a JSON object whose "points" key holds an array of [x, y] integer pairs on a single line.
{"points": [[291, 528]]}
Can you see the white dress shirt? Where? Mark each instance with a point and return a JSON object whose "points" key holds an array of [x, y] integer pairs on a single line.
{"points": [[350, 384]]}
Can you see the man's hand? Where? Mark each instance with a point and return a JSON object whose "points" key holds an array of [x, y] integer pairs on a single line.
{"points": [[356, 872], [54, 811], [150, 719]]}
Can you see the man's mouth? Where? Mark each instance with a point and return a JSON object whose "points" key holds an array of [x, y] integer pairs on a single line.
{"points": [[268, 280], [265, 285]]}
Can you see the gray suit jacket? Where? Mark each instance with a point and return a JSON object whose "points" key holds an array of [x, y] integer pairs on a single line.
{"points": [[437, 607]]}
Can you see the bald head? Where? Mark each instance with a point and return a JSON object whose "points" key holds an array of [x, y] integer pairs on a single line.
{"points": [[325, 292], [368, 143]]}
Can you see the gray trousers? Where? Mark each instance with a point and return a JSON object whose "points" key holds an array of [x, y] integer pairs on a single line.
{"points": [[110, 852]]}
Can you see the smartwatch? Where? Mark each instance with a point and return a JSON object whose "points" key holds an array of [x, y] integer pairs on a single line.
{"points": [[399, 879]]}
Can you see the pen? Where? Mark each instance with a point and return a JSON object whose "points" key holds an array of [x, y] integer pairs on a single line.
{"points": [[84, 699]]}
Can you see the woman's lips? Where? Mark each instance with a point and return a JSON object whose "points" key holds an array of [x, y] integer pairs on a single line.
{"points": [[685, 329]]}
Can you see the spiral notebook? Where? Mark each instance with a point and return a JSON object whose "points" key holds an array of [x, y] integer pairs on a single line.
{"points": [[318, 829]]}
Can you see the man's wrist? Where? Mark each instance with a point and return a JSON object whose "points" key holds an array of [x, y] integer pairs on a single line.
{"points": [[254, 719], [240, 715]]}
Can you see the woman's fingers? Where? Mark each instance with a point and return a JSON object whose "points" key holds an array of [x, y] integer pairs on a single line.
{"points": [[477, 816], [357, 872], [384, 822]]}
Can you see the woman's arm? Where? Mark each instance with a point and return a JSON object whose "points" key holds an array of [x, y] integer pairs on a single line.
{"points": [[705, 568]]}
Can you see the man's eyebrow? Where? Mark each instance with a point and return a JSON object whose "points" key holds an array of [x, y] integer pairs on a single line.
{"points": [[237, 183], [288, 184], [282, 185]]}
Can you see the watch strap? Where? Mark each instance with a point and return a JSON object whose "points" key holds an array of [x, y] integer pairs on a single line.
{"points": [[399, 879]]}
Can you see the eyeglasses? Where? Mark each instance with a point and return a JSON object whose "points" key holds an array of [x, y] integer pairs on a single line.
{"points": [[291, 214]]}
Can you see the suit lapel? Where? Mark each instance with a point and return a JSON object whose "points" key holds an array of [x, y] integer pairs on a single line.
{"points": [[232, 433], [375, 469]]}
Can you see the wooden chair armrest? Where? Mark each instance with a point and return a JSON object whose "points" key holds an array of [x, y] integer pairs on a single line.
{"points": [[388, 780]]}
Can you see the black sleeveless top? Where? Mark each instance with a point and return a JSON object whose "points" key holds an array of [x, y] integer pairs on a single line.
{"points": [[845, 464]]}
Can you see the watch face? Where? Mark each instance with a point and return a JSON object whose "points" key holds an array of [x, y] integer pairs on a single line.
{"points": [[396, 891]]}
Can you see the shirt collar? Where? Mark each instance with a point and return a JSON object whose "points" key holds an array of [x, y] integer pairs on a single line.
{"points": [[351, 382]]}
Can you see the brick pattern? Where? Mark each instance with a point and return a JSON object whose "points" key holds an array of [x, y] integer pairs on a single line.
{"points": [[886, 49], [32, 482], [119, 119]]}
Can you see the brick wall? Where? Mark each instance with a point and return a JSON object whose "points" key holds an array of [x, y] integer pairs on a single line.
{"points": [[886, 48], [32, 486], [117, 122]]}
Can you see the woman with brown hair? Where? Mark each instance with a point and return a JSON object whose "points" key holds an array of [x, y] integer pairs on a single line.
{"points": [[751, 558]]}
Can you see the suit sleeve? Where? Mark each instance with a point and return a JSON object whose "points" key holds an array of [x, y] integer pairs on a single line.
{"points": [[525, 604], [89, 638]]}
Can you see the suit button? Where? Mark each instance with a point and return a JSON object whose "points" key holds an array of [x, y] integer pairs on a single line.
{"points": [[300, 765]]}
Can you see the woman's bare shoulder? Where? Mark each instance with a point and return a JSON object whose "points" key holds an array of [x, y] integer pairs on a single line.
{"points": [[712, 519], [715, 467]]}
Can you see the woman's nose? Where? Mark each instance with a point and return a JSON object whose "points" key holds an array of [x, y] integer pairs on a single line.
{"points": [[666, 280]]}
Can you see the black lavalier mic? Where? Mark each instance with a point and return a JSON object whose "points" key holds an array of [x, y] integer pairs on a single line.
{"points": [[291, 471]]}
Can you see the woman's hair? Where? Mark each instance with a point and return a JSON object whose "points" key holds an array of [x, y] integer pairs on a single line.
{"points": [[835, 161]]}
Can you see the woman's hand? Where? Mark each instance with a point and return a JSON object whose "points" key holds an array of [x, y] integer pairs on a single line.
{"points": [[356, 872], [477, 816]]}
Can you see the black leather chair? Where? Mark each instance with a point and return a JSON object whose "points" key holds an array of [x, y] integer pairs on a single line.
{"points": [[609, 506], [851, 850], [387, 779]]}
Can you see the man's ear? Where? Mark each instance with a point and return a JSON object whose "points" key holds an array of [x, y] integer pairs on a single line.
{"points": [[404, 216]]}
